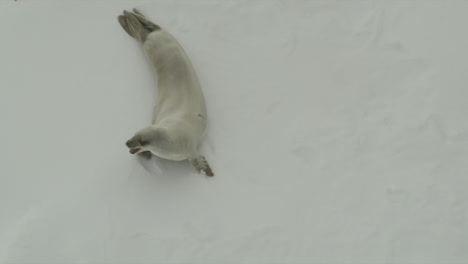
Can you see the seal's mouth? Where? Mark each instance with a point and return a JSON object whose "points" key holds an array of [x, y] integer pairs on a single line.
{"points": [[134, 150]]}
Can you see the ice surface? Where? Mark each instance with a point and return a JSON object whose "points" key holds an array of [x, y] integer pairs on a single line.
{"points": [[338, 134]]}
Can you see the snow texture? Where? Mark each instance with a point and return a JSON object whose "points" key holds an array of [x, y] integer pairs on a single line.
{"points": [[337, 131]]}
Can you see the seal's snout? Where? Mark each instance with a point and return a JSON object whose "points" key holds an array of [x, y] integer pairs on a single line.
{"points": [[133, 146], [132, 143], [134, 150]]}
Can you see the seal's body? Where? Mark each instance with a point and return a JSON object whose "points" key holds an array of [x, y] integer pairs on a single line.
{"points": [[179, 117]]}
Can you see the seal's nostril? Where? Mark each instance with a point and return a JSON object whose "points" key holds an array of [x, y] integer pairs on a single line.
{"points": [[127, 143]]}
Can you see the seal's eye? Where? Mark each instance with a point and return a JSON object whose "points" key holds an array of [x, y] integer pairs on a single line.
{"points": [[144, 142]]}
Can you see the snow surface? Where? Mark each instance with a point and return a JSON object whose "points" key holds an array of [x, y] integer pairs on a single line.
{"points": [[338, 134]]}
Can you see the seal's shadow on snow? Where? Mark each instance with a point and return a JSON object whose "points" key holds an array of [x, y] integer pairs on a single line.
{"points": [[167, 168]]}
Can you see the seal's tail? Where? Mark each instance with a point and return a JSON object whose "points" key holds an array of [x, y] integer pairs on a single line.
{"points": [[137, 25]]}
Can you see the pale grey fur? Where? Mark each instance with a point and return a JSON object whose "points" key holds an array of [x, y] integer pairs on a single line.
{"points": [[179, 117]]}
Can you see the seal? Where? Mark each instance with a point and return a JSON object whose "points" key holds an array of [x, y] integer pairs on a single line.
{"points": [[179, 116]]}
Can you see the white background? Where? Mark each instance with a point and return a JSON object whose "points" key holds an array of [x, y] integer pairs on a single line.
{"points": [[338, 134]]}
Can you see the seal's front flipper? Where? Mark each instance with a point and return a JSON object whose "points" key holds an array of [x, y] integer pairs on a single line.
{"points": [[202, 165], [146, 155]]}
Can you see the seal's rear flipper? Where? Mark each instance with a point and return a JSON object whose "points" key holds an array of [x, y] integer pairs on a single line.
{"points": [[202, 165], [136, 25], [150, 26], [124, 24]]}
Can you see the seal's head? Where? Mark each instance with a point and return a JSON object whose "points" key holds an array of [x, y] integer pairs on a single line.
{"points": [[145, 139], [136, 144]]}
